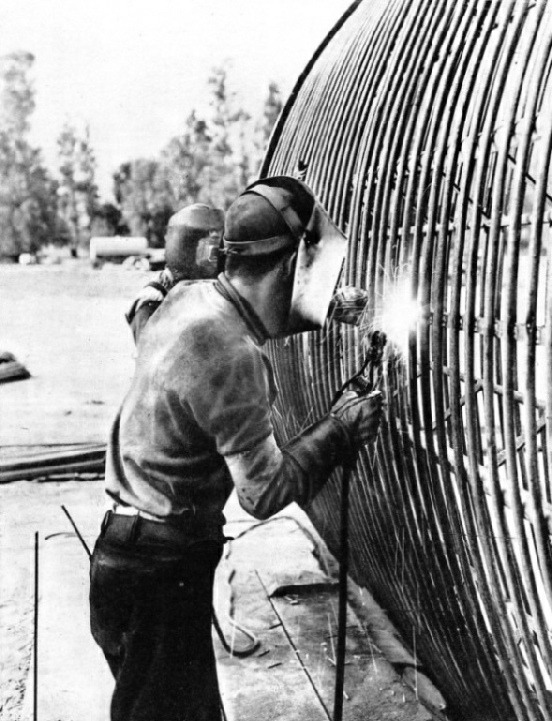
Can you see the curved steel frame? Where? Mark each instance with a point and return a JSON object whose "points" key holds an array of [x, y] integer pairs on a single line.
{"points": [[425, 127]]}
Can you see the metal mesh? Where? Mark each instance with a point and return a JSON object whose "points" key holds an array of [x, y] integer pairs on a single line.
{"points": [[425, 127]]}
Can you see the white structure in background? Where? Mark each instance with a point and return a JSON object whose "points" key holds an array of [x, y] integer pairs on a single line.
{"points": [[116, 249]]}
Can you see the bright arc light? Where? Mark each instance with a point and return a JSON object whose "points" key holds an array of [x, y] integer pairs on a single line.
{"points": [[399, 314]]}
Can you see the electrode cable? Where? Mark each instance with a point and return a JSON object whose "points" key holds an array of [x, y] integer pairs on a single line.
{"points": [[363, 382]]}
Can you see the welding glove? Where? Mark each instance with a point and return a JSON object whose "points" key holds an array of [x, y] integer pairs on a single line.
{"points": [[360, 414], [268, 478]]}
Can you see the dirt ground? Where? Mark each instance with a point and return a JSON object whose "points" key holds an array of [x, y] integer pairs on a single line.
{"points": [[66, 323]]}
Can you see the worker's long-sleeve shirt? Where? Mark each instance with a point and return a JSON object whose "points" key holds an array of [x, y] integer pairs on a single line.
{"points": [[197, 418]]}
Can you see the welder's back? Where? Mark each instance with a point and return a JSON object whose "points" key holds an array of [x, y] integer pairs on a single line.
{"points": [[202, 389]]}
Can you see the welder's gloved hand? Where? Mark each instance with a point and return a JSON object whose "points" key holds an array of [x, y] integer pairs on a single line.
{"points": [[347, 305], [267, 478], [360, 414]]}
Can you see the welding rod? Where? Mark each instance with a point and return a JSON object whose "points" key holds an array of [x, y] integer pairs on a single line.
{"points": [[79, 536]]}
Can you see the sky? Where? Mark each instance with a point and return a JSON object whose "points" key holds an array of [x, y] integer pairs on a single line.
{"points": [[133, 70]]}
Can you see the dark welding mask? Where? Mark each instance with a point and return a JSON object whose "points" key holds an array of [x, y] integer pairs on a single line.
{"points": [[192, 242], [307, 228]]}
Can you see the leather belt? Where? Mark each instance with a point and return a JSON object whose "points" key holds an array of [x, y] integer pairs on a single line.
{"points": [[120, 510], [139, 532], [120, 519]]}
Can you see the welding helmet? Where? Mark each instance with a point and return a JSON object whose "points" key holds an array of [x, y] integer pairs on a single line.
{"points": [[290, 217], [192, 242]]}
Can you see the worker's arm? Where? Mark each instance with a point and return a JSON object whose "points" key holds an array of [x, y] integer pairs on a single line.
{"points": [[231, 401], [268, 478], [147, 302], [140, 316]]}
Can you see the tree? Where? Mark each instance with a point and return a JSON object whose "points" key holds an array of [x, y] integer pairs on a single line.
{"points": [[144, 194], [271, 111], [27, 192], [185, 158], [78, 193], [239, 143], [39, 211], [211, 161], [108, 220], [230, 150]]}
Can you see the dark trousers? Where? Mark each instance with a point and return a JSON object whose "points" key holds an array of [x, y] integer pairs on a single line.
{"points": [[150, 613]]}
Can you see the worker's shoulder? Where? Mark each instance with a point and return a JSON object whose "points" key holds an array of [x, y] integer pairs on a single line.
{"points": [[200, 303], [197, 313], [189, 301], [193, 289]]}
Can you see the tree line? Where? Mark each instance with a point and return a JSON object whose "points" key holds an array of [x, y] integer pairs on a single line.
{"points": [[216, 154]]}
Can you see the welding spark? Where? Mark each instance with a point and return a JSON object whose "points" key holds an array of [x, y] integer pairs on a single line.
{"points": [[398, 314]]}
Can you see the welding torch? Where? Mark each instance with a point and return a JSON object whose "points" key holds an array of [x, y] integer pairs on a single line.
{"points": [[347, 306]]}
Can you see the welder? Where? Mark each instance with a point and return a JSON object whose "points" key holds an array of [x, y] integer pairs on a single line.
{"points": [[195, 424], [192, 244]]}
